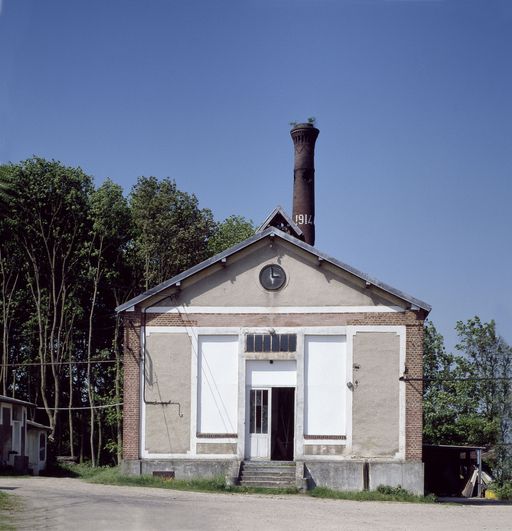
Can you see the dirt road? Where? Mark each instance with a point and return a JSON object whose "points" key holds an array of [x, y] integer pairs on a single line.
{"points": [[71, 504]]}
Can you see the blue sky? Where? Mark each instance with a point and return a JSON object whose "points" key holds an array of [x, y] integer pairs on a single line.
{"points": [[412, 99]]}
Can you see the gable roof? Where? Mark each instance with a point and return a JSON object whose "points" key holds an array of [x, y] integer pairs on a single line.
{"points": [[272, 232], [9, 400], [279, 219]]}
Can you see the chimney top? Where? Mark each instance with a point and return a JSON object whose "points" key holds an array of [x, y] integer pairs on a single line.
{"points": [[305, 125]]}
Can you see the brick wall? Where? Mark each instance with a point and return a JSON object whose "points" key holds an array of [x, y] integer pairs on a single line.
{"points": [[286, 319], [414, 392], [413, 322], [131, 408]]}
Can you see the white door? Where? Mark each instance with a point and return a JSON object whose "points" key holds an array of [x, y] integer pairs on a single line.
{"points": [[258, 436]]}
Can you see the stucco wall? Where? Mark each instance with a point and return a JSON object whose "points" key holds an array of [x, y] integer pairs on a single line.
{"points": [[238, 284], [375, 412], [168, 374], [216, 448], [325, 449], [411, 320]]}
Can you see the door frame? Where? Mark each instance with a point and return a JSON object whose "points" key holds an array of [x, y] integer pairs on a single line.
{"points": [[248, 435], [269, 434]]}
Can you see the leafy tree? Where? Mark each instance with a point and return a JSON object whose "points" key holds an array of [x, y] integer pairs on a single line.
{"points": [[487, 353], [232, 230], [467, 398], [171, 232], [6, 189], [11, 266], [491, 360], [69, 254], [49, 213], [449, 405], [109, 234]]}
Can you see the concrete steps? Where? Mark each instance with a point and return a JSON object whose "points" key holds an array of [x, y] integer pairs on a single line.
{"points": [[269, 474]]}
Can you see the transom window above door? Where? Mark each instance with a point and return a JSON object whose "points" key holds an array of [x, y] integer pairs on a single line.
{"points": [[271, 343]]}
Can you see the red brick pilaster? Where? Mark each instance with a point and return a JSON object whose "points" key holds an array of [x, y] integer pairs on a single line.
{"points": [[414, 392], [131, 408]]}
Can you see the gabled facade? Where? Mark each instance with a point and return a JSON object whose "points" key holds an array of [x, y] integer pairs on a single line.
{"points": [[275, 351]]}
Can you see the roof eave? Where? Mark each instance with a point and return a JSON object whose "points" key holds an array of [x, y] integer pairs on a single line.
{"points": [[9, 400]]}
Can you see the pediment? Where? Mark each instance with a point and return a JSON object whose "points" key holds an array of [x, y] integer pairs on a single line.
{"points": [[314, 279], [280, 220], [309, 283]]}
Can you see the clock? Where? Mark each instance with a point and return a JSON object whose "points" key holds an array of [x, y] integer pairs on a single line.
{"points": [[272, 277]]}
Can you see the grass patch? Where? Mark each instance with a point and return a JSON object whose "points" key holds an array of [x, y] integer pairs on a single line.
{"points": [[382, 493], [8, 506], [112, 476]]}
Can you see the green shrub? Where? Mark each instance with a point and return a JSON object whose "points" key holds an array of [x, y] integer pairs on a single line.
{"points": [[503, 491], [383, 493], [393, 491]]}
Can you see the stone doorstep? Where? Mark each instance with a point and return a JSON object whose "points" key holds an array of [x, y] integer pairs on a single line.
{"points": [[268, 484], [269, 472], [267, 477], [269, 463], [283, 469], [267, 467]]}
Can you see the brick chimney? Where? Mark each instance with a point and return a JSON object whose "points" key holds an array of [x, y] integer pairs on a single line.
{"points": [[304, 137]]}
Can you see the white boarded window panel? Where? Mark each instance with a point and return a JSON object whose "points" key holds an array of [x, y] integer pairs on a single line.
{"points": [[218, 384], [326, 387]]}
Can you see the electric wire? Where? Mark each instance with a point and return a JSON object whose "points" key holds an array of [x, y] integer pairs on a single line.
{"points": [[79, 407]]}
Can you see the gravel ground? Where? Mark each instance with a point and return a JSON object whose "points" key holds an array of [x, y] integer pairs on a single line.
{"points": [[71, 504]]}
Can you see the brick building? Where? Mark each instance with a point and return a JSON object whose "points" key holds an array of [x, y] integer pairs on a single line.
{"points": [[275, 353]]}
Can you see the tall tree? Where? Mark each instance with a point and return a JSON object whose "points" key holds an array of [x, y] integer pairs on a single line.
{"points": [[487, 352], [69, 254], [50, 215], [11, 268], [491, 360], [6, 189], [449, 411], [467, 398], [171, 231], [232, 230], [110, 230]]}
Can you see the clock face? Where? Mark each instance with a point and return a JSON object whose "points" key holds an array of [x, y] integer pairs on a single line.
{"points": [[272, 277]]}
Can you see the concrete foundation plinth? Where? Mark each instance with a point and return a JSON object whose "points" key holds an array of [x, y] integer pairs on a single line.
{"points": [[408, 475], [350, 475], [337, 475], [184, 468]]}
